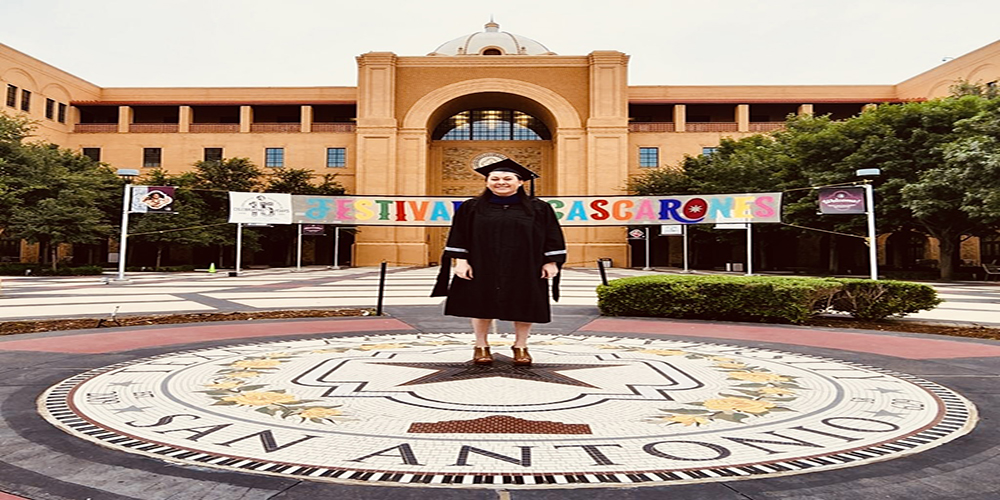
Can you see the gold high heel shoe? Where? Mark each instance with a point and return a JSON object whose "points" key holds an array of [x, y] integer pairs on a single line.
{"points": [[521, 356], [482, 356]]}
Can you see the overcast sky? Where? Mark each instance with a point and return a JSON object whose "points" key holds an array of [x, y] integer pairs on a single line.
{"points": [[290, 43]]}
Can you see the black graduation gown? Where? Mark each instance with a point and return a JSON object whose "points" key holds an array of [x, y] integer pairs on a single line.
{"points": [[506, 247]]}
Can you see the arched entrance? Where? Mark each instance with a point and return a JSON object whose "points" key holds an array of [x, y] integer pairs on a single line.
{"points": [[479, 128]]}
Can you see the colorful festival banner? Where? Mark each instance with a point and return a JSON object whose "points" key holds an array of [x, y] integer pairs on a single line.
{"points": [[260, 208], [571, 210], [152, 199]]}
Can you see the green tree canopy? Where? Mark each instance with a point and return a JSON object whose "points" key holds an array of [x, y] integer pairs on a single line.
{"points": [[939, 162], [50, 195]]}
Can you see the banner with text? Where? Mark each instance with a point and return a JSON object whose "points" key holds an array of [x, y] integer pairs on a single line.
{"points": [[260, 208], [571, 210]]}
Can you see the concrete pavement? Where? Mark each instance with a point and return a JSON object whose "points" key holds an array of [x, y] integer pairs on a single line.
{"points": [[387, 407]]}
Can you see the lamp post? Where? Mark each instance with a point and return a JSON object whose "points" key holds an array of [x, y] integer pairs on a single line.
{"points": [[127, 174], [870, 211]]}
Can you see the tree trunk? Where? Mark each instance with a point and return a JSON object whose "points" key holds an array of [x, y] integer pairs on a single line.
{"points": [[159, 255], [54, 248], [832, 255], [948, 246]]}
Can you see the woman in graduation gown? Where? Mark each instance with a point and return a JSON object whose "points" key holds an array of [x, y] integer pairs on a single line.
{"points": [[506, 246]]}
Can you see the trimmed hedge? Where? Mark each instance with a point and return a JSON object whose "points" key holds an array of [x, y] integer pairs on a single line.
{"points": [[760, 298], [874, 300]]}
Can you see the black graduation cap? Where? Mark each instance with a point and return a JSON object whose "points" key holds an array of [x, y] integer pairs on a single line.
{"points": [[509, 165]]}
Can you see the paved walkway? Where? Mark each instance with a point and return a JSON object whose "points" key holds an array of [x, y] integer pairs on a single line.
{"points": [[388, 407], [154, 293]]}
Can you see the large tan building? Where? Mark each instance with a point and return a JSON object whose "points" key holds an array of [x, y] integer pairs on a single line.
{"points": [[418, 125]]}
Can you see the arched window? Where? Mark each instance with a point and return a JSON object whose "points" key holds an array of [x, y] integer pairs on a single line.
{"points": [[492, 52], [492, 125]]}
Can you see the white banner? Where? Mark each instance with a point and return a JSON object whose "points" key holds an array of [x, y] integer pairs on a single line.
{"points": [[260, 208]]}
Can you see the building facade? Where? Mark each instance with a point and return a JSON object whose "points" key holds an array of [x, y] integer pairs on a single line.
{"points": [[419, 125]]}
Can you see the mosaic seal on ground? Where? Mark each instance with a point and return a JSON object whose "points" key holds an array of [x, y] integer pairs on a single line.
{"points": [[592, 410]]}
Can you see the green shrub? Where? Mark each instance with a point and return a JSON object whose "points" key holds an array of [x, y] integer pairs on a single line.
{"points": [[39, 270], [17, 269], [760, 298], [757, 298], [874, 300]]}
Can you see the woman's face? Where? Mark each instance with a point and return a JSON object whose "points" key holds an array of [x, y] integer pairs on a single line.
{"points": [[503, 183]]}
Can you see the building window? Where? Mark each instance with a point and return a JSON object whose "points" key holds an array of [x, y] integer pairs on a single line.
{"points": [[213, 154], [152, 157], [649, 157], [708, 151], [50, 109], [491, 125], [989, 249], [336, 157], [25, 100], [274, 157], [11, 96], [92, 153], [61, 117]]}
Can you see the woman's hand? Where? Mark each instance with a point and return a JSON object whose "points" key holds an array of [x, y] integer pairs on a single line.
{"points": [[462, 269], [550, 270]]}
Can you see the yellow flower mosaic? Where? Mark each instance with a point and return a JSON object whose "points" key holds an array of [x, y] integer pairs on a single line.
{"points": [[319, 413], [742, 405], [257, 363], [761, 377], [686, 420], [261, 398]]}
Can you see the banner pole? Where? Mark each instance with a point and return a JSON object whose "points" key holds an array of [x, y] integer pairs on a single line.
{"points": [[872, 249], [647, 230], [749, 249], [239, 246], [123, 243], [336, 247], [298, 253], [684, 228]]}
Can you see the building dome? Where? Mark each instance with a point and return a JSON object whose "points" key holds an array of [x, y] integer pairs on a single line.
{"points": [[492, 42]]}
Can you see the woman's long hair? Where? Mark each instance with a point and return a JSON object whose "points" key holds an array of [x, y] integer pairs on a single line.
{"points": [[525, 198]]}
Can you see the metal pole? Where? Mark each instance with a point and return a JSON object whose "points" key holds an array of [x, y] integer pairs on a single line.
{"points": [[123, 243], [381, 289], [336, 247], [872, 249], [684, 228], [749, 249], [646, 229], [298, 253], [239, 246], [604, 274]]}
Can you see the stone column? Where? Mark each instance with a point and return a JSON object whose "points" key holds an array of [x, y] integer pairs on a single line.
{"points": [[124, 119], [184, 122], [806, 110], [306, 118], [376, 154], [607, 156], [743, 117], [680, 117], [246, 118]]}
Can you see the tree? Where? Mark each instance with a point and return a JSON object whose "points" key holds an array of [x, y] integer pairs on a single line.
{"points": [[301, 182], [940, 164], [917, 189], [214, 180], [184, 226], [52, 196]]}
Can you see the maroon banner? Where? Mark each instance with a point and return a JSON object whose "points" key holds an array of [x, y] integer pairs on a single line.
{"points": [[152, 199], [842, 200]]}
